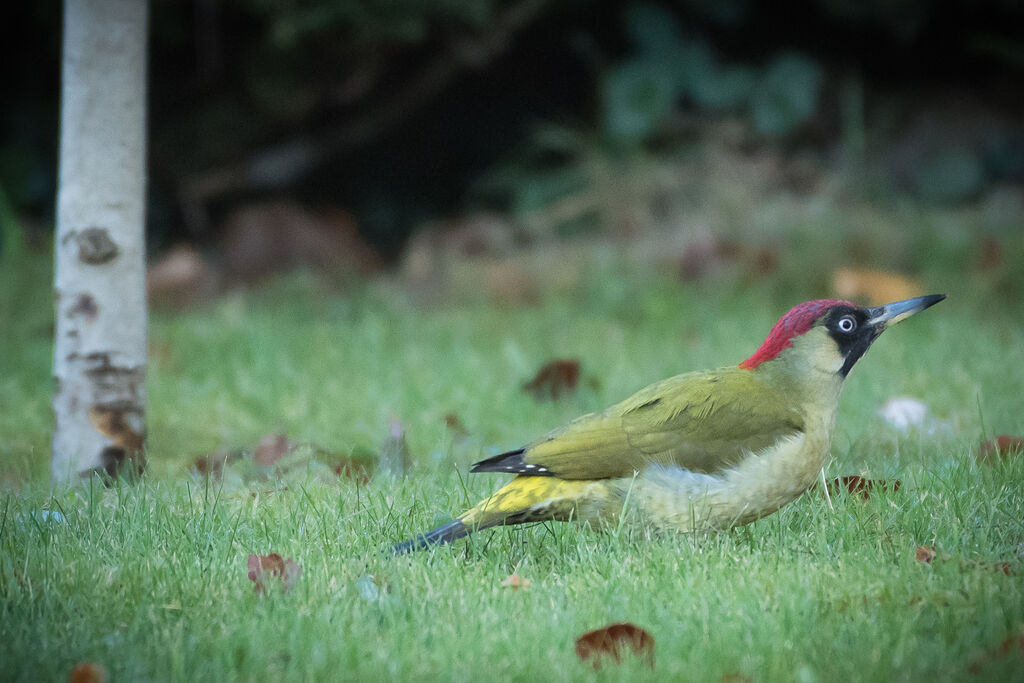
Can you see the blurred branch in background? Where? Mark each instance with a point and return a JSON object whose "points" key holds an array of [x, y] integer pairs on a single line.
{"points": [[284, 162]]}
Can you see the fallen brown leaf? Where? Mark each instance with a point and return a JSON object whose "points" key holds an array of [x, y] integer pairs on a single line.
{"points": [[862, 486], [1003, 568], [1003, 446], [610, 640], [263, 568], [515, 582], [88, 672], [875, 286], [214, 463], [736, 677], [354, 468], [453, 423], [272, 448], [554, 379], [1011, 644], [924, 553]]}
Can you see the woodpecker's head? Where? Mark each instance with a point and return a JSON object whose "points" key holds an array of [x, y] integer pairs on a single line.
{"points": [[832, 334]]}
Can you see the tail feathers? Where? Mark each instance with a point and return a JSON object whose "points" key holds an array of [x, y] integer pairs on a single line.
{"points": [[512, 462], [502, 462], [524, 499], [446, 533]]}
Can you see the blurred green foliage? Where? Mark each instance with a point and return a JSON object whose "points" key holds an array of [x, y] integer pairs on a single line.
{"points": [[424, 89], [786, 94], [638, 97], [670, 67], [952, 175]]}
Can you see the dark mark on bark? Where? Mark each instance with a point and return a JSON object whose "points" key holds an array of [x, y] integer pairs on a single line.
{"points": [[112, 457], [116, 463], [119, 422], [95, 246], [101, 366], [84, 305]]}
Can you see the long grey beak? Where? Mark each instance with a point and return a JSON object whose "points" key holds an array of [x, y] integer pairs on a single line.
{"points": [[890, 314]]}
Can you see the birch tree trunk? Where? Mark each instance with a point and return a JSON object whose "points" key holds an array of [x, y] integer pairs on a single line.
{"points": [[100, 347]]}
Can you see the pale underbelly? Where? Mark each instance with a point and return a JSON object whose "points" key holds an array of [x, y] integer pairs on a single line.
{"points": [[671, 498]]}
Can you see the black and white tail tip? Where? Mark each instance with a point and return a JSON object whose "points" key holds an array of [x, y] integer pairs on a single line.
{"points": [[511, 462]]}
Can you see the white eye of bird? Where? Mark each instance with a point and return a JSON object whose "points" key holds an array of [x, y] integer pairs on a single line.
{"points": [[847, 323]]}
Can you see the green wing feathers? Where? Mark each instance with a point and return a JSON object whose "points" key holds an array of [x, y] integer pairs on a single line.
{"points": [[702, 421]]}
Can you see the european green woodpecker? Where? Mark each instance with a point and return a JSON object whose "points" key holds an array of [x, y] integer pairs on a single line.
{"points": [[699, 451]]}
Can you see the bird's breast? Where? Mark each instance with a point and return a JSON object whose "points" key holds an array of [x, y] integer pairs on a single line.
{"points": [[679, 499]]}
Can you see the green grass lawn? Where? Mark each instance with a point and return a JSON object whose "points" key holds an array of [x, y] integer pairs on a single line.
{"points": [[151, 581]]}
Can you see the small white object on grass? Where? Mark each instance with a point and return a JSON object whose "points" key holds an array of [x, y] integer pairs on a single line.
{"points": [[905, 413]]}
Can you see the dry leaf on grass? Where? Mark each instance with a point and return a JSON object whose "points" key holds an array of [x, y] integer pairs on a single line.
{"points": [[272, 448], [1003, 568], [263, 568], [862, 486], [611, 640], [736, 677], [1003, 446], [927, 554], [276, 454], [88, 672], [1013, 643], [515, 582], [876, 286], [214, 463], [358, 469], [554, 379], [454, 424]]}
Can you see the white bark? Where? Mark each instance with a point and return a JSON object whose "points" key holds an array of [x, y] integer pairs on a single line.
{"points": [[100, 346]]}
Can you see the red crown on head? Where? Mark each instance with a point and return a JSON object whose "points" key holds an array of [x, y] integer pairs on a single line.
{"points": [[794, 323]]}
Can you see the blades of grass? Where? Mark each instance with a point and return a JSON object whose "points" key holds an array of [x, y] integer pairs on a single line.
{"points": [[824, 487], [625, 505], [234, 531], [8, 501], [981, 418]]}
